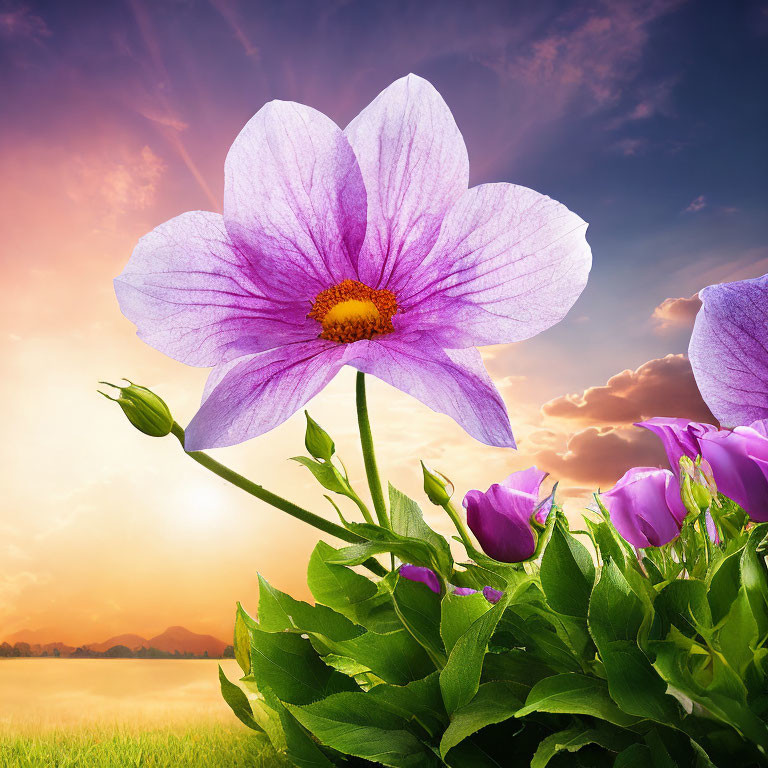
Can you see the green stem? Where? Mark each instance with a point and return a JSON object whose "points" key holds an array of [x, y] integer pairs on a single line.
{"points": [[453, 513], [276, 501], [369, 456]]}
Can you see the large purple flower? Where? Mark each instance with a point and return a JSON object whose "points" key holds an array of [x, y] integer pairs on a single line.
{"points": [[501, 517], [645, 506], [739, 460], [729, 350], [679, 436], [361, 247]]}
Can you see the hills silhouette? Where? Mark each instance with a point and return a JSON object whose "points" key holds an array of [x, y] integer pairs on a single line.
{"points": [[174, 642]]}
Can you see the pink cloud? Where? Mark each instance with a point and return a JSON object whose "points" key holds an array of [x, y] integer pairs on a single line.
{"points": [[676, 314]]}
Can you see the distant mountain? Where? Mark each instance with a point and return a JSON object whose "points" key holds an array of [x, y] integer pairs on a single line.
{"points": [[134, 642], [182, 640], [177, 641]]}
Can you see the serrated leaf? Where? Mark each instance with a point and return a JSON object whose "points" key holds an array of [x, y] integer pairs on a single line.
{"points": [[615, 611], [458, 613], [567, 573], [408, 520], [573, 739], [575, 694], [493, 703], [235, 696], [325, 474], [242, 640], [359, 725]]}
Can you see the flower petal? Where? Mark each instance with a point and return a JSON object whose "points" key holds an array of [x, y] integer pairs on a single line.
{"points": [[729, 350], [508, 264], [450, 381], [294, 197], [415, 166], [421, 574], [680, 437], [526, 481], [253, 394], [191, 295]]}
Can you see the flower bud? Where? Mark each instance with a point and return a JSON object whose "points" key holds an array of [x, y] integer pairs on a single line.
{"points": [[696, 485], [437, 486], [318, 441], [144, 409]]}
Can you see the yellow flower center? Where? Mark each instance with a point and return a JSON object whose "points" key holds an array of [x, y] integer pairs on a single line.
{"points": [[351, 311]]}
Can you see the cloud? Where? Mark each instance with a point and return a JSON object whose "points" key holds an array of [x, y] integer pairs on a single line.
{"points": [[696, 205], [661, 387], [676, 314], [19, 23], [598, 456]]}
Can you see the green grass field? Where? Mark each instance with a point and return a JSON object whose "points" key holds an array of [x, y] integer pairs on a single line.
{"points": [[204, 746]]}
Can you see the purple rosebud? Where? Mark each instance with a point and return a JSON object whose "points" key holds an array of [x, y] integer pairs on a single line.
{"points": [[419, 573], [645, 506], [729, 350], [680, 437], [464, 591], [501, 517], [739, 461], [492, 595]]}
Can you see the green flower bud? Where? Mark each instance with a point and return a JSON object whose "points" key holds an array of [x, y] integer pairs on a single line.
{"points": [[144, 409], [696, 485], [437, 486], [317, 440]]}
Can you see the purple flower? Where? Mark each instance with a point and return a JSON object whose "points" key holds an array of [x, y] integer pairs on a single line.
{"points": [[500, 518], [739, 461], [645, 506], [360, 247], [419, 573], [729, 350], [464, 591], [679, 436]]}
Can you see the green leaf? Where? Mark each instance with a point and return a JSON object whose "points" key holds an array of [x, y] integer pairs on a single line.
{"points": [[395, 657], [408, 521], [634, 756], [739, 634], [606, 542], [460, 678], [615, 611], [235, 696], [754, 577], [575, 694], [458, 613], [348, 592], [357, 724], [493, 703], [567, 573], [634, 685], [243, 639], [325, 474], [724, 586], [285, 733], [279, 612], [573, 739], [289, 665], [418, 608], [419, 702], [515, 666], [682, 604]]}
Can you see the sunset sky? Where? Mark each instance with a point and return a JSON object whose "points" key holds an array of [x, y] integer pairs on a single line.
{"points": [[646, 117]]}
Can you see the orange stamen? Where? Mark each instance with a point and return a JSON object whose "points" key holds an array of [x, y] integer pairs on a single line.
{"points": [[351, 311]]}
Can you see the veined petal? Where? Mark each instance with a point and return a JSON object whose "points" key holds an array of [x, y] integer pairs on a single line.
{"points": [[294, 198], [450, 381], [729, 350], [526, 481], [508, 264], [415, 166], [191, 295], [255, 393]]}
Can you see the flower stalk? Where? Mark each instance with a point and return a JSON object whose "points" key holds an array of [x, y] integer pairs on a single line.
{"points": [[369, 455], [273, 499]]}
